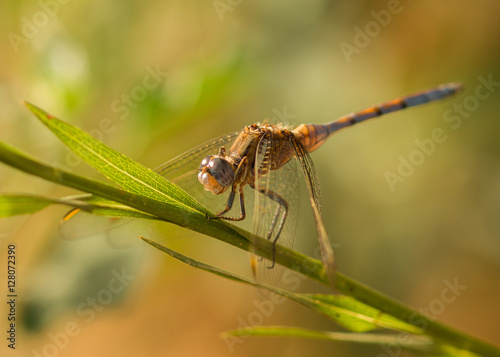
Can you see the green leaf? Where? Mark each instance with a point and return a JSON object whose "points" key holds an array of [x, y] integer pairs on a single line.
{"points": [[417, 343], [103, 207], [13, 205], [171, 213], [345, 310], [128, 174], [357, 316]]}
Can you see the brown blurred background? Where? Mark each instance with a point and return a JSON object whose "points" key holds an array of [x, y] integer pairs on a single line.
{"points": [[153, 79]]}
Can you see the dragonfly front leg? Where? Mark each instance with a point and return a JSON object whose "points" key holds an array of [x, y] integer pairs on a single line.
{"points": [[240, 173], [229, 205]]}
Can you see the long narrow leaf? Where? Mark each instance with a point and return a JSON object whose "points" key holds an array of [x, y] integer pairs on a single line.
{"points": [[419, 344], [403, 340], [103, 207], [416, 343], [361, 317], [345, 310], [176, 213], [128, 174], [13, 205]]}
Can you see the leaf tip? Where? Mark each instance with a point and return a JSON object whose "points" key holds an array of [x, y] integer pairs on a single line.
{"points": [[149, 241], [37, 111], [226, 335], [28, 105]]}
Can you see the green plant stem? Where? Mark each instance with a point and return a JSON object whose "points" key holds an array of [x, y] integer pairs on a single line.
{"points": [[237, 237]]}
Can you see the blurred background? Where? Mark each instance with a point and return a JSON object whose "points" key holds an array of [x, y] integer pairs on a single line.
{"points": [[409, 214]]}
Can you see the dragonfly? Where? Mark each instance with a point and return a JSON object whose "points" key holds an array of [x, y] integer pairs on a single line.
{"points": [[264, 161]]}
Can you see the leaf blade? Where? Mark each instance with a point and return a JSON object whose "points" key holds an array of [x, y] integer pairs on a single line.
{"points": [[414, 342], [361, 317], [14, 205], [20, 204], [344, 310], [127, 173]]}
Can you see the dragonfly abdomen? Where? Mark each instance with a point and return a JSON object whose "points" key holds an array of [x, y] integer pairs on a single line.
{"points": [[313, 136]]}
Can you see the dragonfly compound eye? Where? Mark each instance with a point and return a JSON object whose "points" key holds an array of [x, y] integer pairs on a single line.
{"points": [[215, 174], [222, 171], [205, 161]]}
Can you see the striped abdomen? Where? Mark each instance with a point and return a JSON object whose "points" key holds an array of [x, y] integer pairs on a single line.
{"points": [[313, 136]]}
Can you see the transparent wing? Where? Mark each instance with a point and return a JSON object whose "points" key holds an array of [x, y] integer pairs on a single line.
{"points": [[120, 232], [272, 187], [86, 228], [312, 182], [182, 170], [183, 165], [310, 175]]}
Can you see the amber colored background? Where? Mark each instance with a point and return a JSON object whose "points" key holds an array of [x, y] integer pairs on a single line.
{"points": [[231, 63]]}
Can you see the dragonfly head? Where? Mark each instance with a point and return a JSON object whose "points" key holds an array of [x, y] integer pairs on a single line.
{"points": [[216, 174]]}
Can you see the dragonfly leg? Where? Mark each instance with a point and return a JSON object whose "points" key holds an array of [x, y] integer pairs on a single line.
{"points": [[282, 207], [240, 171], [229, 205]]}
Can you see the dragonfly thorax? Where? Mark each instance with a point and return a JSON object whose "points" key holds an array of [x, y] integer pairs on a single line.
{"points": [[216, 174]]}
